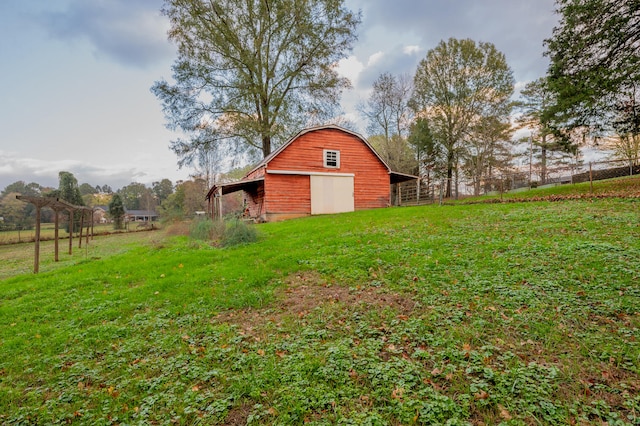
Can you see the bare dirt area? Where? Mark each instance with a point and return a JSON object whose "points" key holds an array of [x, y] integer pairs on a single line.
{"points": [[303, 292]]}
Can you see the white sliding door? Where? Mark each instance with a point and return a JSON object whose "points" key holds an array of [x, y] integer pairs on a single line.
{"points": [[331, 194]]}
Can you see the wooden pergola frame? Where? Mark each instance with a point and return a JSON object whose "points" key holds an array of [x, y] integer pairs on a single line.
{"points": [[57, 205]]}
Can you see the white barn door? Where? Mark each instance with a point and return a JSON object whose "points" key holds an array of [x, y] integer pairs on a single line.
{"points": [[331, 194]]}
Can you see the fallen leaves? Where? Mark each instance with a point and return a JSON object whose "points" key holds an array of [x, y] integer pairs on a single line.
{"points": [[397, 393], [481, 395], [113, 392], [504, 413]]}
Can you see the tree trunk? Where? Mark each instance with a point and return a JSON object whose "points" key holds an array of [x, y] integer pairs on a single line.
{"points": [[450, 158], [266, 145], [543, 160], [489, 182], [457, 171], [478, 178]]}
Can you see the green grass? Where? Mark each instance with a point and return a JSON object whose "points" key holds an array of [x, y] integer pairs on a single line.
{"points": [[18, 258], [480, 314], [626, 186], [47, 232]]}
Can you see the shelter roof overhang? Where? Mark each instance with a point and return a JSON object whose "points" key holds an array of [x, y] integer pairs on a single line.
{"points": [[396, 177], [227, 188]]}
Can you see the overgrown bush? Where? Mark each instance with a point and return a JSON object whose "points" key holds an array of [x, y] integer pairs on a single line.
{"points": [[238, 232], [231, 232], [205, 229]]}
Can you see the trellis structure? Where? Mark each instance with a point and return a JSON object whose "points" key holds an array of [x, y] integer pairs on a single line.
{"points": [[57, 205]]}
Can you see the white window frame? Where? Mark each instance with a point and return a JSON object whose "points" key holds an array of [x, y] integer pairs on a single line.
{"points": [[325, 158]]}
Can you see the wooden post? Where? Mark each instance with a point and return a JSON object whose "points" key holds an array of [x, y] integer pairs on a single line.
{"points": [[36, 257], [591, 176], [89, 224], [81, 227], [220, 200], [70, 230], [55, 238], [57, 206]]}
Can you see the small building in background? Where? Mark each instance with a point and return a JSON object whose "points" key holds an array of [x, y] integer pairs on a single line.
{"points": [[100, 214], [321, 170], [140, 216]]}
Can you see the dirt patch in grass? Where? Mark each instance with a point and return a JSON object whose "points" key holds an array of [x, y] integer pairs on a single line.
{"points": [[306, 291], [238, 415]]}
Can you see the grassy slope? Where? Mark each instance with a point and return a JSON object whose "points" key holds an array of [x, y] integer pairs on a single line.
{"points": [[18, 258], [521, 313], [620, 187]]}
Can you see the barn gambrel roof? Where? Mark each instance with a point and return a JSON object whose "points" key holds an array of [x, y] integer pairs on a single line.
{"points": [[284, 146]]}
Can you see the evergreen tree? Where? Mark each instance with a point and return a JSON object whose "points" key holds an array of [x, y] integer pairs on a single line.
{"points": [[535, 99], [116, 211], [595, 58], [69, 191]]}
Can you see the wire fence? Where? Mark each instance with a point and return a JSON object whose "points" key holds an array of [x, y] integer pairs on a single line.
{"points": [[428, 191], [15, 234]]}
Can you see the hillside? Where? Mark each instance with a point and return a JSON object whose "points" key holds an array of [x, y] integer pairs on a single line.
{"points": [[626, 187], [520, 313]]}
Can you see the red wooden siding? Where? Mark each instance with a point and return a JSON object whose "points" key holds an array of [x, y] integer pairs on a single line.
{"points": [[287, 194], [255, 201], [257, 173], [305, 154]]}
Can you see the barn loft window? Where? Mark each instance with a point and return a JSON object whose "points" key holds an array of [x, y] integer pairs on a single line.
{"points": [[331, 159]]}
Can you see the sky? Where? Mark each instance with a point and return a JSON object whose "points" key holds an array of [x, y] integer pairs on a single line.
{"points": [[75, 76]]}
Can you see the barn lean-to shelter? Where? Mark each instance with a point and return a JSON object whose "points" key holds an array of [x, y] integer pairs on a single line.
{"points": [[321, 170]]}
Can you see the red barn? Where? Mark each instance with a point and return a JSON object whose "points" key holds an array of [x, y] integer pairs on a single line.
{"points": [[321, 170]]}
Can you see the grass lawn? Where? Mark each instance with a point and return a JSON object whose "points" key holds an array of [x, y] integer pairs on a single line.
{"points": [[620, 187], [519, 313], [18, 258], [47, 232]]}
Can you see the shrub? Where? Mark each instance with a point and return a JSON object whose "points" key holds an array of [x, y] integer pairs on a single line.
{"points": [[229, 233], [205, 229], [238, 232]]}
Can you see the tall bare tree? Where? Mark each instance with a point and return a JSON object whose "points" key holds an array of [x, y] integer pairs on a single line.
{"points": [[486, 149], [387, 109], [389, 120]]}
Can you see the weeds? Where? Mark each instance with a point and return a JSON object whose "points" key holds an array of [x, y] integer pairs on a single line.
{"points": [[238, 232], [205, 229], [231, 232]]}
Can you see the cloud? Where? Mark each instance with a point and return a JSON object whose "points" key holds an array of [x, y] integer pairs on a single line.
{"points": [[411, 50], [132, 32], [397, 60], [516, 27], [351, 68], [375, 58], [45, 173]]}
